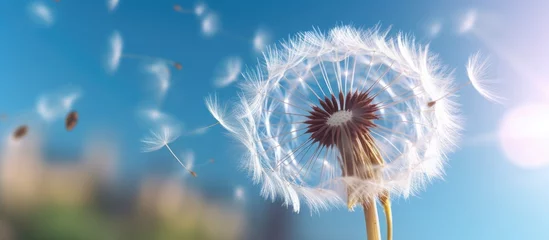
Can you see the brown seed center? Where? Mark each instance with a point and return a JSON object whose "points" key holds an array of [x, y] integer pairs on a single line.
{"points": [[347, 115]]}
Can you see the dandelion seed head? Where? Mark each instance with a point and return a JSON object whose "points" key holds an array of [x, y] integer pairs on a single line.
{"points": [[343, 116]]}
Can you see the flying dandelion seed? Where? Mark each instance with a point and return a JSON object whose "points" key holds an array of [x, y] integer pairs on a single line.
{"points": [[188, 158], [71, 120], [162, 75], [112, 5], [161, 138], [229, 72], [210, 24], [468, 21], [261, 39], [200, 9], [374, 121], [115, 55], [20, 132], [55, 105], [3, 117], [42, 14], [477, 73]]}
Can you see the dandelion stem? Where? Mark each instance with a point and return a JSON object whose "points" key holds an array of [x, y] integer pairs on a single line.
{"points": [[372, 221], [386, 203], [173, 154]]}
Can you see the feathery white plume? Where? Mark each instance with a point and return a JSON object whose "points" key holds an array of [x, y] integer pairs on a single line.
{"points": [[261, 39], [199, 9], [115, 54], [188, 158], [468, 21], [477, 72], [161, 72], [219, 112], [160, 137], [210, 24], [42, 13], [56, 105], [229, 72], [112, 5]]}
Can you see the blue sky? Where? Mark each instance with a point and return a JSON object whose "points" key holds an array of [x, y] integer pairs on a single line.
{"points": [[483, 196]]}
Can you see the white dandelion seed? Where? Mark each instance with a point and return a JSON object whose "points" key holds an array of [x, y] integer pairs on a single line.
{"points": [[42, 13], [200, 9], [229, 72], [56, 105], [162, 137], [261, 39], [369, 124], [115, 54], [468, 21], [477, 72], [210, 24], [189, 159], [112, 5], [161, 72]]}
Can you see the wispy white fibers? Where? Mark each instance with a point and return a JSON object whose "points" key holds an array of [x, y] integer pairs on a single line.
{"points": [[52, 106], [112, 4], [188, 158], [161, 73], [42, 13], [210, 24], [468, 21], [477, 72], [228, 72], [261, 39], [115, 54], [200, 9], [281, 117]]}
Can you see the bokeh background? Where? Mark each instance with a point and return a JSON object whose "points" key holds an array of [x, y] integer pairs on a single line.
{"points": [[95, 183]]}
